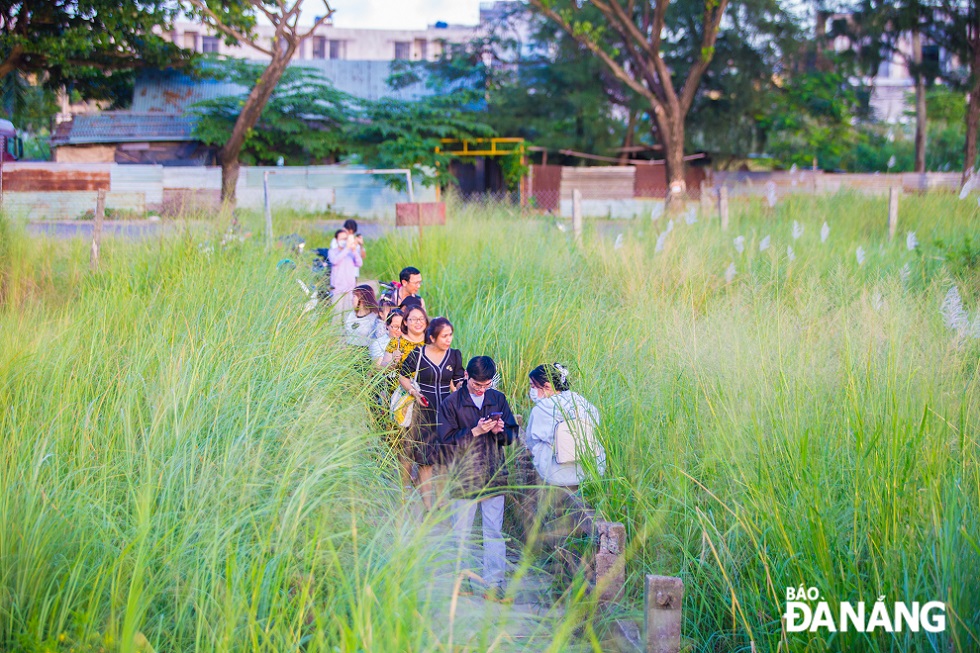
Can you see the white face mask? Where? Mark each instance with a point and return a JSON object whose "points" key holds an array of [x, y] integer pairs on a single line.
{"points": [[533, 395]]}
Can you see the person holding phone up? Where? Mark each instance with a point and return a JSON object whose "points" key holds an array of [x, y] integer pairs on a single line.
{"points": [[476, 423]]}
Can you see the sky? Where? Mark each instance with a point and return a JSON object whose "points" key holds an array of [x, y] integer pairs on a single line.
{"points": [[394, 14]]}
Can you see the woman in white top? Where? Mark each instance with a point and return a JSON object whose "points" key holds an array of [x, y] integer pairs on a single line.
{"points": [[389, 329], [554, 402], [360, 323]]}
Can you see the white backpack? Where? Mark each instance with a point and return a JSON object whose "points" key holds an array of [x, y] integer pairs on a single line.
{"points": [[574, 437]]}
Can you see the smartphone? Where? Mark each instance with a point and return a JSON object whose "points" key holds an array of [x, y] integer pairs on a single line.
{"points": [[495, 416], [424, 401]]}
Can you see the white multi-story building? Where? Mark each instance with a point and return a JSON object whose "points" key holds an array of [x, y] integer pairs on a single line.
{"points": [[892, 84], [332, 42]]}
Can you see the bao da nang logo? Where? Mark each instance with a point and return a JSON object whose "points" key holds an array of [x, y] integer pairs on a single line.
{"points": [[805, 611]]}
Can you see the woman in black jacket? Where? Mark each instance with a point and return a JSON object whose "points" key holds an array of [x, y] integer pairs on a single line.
{"points": [[439, 373], [476, 422]]}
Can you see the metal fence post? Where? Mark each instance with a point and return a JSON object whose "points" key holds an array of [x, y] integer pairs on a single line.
{"points": [[723, 207], [97, 228], [892, 212]]}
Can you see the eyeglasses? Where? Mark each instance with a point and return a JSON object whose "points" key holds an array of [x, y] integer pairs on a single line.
{"points": [[416, 320], [480, 386]]}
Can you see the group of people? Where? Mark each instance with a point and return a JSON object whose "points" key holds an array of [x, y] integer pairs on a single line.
{"points": [[460, 422]]}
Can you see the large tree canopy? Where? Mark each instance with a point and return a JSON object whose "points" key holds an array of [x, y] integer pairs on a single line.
{"points": [[88, 46]]}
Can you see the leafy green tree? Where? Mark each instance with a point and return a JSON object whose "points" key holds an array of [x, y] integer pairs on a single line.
{"points": [[90, 47], [557, 98], [393, 133], [961, 37], [760, 46], [648, 36], [236, 20], [880, 28], [305, 121], [809, 117]]}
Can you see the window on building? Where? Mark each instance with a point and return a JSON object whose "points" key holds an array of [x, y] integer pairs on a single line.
{"points": [[319, 47], [422, 48], [403, 49], [336, 49], [209, 44], [190, 41]]}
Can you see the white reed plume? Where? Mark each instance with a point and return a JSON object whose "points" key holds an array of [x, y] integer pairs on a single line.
{"points": [[310, 305], [771, 194], [692, 216], [824, 232], [730, 273], [561, 226], [790, 254], [905, 274], [656, 212], [877, 301], [661, 239], [306, 289], [764, 244], [860, 255], [911, 242], [740, 244], [619, 242], [670, 226], [954, 315], [797, 230]]}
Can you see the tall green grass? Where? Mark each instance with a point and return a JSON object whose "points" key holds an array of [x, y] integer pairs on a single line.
{"points": [[189, 460], [812, 423], [188, 463]]}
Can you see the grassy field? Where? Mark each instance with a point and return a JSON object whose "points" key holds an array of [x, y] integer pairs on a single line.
{"points": [[188, 463]]}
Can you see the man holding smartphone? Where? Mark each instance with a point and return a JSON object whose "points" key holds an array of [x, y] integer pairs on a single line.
{"points": [[477, 423]]}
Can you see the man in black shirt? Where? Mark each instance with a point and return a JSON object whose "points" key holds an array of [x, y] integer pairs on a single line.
{"points": [[406, 295], [476, 422]]}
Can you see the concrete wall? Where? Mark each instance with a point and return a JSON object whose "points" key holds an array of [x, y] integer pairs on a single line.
{"points": [[168, 190]]}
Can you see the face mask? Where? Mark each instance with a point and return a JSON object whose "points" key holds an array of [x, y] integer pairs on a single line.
{"points": [[342, 243], [533, 395]]}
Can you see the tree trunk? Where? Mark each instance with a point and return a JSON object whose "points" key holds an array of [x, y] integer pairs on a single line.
{"points": [[920, 103], [247, 119], [973, 104], [229, 180], [672, 138], [9, 64]]}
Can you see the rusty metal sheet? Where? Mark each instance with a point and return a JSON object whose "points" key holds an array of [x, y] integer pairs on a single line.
{"points": [[37, 179], [411, 214]]}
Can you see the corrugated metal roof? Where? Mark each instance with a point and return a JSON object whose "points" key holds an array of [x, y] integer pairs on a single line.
{"points": [[367, 80], [124, 127], [168, 91]]}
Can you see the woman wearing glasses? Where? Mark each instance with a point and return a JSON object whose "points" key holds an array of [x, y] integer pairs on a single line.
{"points": [[414, 324], [438, 371]]}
